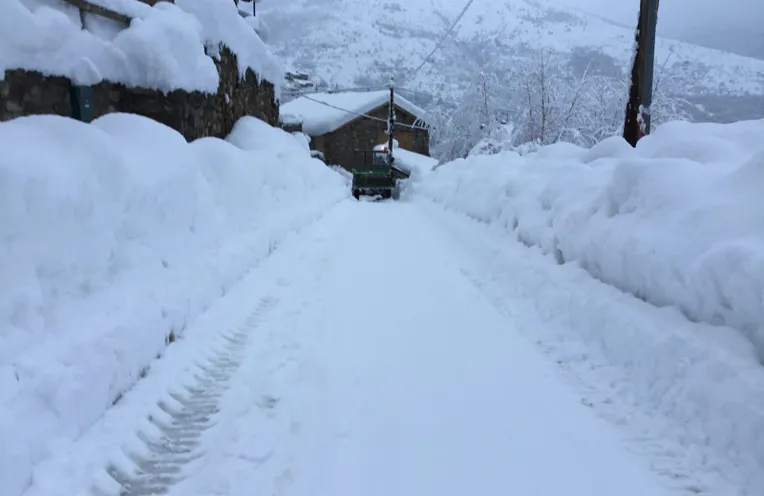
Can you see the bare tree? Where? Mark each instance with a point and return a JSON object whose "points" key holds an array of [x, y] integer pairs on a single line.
{"points": [[667, 105], [544, 103], [602, 113], [476, 117], [551, 100]]}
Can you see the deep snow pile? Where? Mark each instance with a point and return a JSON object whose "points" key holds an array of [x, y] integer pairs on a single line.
{"points": [[113, 235], [678, 221], [414, 163], [163, 48]]}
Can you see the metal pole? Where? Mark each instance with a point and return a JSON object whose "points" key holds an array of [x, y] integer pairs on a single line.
{"points": [[632, 124], [391, 121], [649, 38]]}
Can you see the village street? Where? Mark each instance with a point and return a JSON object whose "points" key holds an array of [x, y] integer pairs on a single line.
{"points": [[366, 356], [342, 248]]}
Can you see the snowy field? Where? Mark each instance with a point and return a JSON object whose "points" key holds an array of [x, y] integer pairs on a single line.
{"points": [[115, 236]]}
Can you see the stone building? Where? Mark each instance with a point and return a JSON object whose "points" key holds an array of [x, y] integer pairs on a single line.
{"points": [[345, 126], [193, 114]]}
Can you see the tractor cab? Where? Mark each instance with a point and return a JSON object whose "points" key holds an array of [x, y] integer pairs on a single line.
{"points": [[375, 176], [380, 157]]}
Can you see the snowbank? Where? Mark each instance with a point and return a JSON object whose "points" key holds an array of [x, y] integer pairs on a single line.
{"points": [[414, 163], [689, 395], [113, 236], [679, 221], [163, 48]]}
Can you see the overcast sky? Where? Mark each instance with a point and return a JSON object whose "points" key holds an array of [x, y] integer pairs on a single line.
{"points": [[680, 13], [737, 23]]}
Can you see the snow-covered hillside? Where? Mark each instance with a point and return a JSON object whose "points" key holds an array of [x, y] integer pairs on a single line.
{"points": [[348, 43], [114, 237]]}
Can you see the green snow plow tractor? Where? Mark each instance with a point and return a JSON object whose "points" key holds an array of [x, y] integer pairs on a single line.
{"points": [[376, 176]]}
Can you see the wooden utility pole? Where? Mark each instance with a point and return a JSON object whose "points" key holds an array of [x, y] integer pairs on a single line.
{"points": [[637, 120], [391, 121]]}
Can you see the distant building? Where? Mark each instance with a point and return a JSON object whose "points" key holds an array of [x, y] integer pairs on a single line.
{"points": [[345, 126], [297, 83]]}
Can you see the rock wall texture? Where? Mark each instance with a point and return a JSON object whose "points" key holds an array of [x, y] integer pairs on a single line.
{"points": [[193, 114]]}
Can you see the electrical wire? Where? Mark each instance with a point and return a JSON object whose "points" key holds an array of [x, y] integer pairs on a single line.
{"points": [[412, 76], [442, 39], [299, 93]]}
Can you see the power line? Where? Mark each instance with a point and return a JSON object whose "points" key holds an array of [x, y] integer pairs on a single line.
{"points": [[360, 89], [291, 91], [506, 111], [367, 116], [443, 38], [412, 77]]}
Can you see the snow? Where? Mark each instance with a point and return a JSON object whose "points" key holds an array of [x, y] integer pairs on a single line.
{"points": [[116, 234], [374, 39], [248, 7], [338, 109], [416, 164], [687, 396], [474, 363], [386, 405], [326, 400], [676, 222], [222, 23], [163, 48]]}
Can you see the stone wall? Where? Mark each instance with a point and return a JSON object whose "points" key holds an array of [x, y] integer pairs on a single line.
{"points": [[27, 93], [193, 114], [346, 145]]}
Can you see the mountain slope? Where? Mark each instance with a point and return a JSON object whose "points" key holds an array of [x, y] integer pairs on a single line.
{"points": [[350, 43]]}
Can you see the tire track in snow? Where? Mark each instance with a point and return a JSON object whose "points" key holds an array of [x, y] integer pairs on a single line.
{"points": [[157, 462]]}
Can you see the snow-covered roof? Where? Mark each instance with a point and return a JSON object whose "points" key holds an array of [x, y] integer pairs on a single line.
{"points": [[163, 48], [338, 109]]}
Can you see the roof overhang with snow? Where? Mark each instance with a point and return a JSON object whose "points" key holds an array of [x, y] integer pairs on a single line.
{"points": [[322, 113]]}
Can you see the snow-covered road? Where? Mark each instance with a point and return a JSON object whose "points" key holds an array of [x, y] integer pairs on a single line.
{"points": [[361, 358], [398, 377]]}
